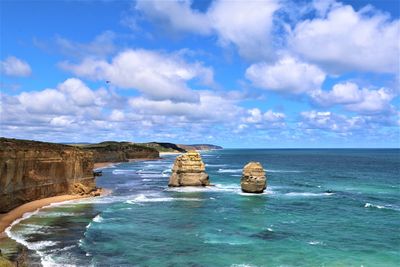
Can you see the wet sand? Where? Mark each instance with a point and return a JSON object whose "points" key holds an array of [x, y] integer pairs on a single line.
{"points": [[7, 218]]}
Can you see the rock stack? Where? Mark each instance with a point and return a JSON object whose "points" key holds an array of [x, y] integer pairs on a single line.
{"points": [[253, 178], [189, 170]]}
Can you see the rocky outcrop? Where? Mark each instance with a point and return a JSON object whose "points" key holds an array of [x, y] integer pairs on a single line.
{"points": [[32, 170], [189, 170], [254, 179], [120, 152]]}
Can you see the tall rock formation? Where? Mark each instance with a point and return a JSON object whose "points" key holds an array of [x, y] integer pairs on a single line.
{"points": [[32, 170], [254, 179], [189, 170]]}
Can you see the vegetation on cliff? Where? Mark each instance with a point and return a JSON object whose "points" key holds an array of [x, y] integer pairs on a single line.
{"points": [[170, 147], [111, 151]]}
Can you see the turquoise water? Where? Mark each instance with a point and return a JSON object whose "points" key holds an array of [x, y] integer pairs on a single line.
{"points": [[321, 208]]}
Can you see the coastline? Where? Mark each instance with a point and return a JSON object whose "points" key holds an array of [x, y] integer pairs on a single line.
{"points": [[8, 218], [170, 153], [102, 165]]}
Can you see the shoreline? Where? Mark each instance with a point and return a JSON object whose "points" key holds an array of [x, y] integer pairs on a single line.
{"points": [[8, 218], [170, 153], [103, 165]]}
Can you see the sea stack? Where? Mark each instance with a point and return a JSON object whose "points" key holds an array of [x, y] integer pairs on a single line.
{"points": [[253, 178], [189, 170]]}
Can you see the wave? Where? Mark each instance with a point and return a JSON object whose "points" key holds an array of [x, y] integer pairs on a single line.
{"points": [[307, 194], [122, 171], [142, 198], [229, 170], [315, 242], [387, 207], [98, 218], [44, 214], [215, 165], [229, 188], [266, 170], [271, 170]]}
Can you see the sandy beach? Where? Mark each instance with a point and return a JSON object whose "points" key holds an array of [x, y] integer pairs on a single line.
{"points": [[101, 165], [7, 218], [170, 153]]}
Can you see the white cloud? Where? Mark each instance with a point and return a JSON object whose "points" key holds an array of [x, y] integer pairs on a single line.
{"points": [[244, 24], [345, 40], [355, 99], [329, 121], [256, 116], [287, 75], [157, 75], [70, 96], [211, 107], [13, 66], [175, 14], [117, 115], [102, 45]]}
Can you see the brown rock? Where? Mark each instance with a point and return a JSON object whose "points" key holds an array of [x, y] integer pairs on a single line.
{"points": [[254, 179], [32, 170], [189, 170]]}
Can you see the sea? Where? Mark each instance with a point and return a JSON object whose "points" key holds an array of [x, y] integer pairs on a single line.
{"points": [[322, 207]]}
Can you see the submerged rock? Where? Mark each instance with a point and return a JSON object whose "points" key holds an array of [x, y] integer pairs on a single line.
{"points": [[253, 178], [189, 170]]}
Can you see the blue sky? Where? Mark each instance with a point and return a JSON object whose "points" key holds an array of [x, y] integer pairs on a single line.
{"points": [[274, 73]]}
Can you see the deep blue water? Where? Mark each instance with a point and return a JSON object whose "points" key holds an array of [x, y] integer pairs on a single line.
{"points": [[338, 207]]}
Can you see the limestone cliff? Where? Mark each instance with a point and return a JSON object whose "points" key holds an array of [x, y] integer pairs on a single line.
{"points": [[253, 178], [32, 170], [189, 170], [120, 152]]}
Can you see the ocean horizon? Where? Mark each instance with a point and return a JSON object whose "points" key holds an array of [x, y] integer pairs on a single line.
{"points": [[322, 207]]}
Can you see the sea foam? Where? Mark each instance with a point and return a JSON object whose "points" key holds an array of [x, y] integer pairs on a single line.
{"points": [[142, 198]]}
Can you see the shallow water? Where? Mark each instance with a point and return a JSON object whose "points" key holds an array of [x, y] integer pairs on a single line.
{"points": [[321, 208]]}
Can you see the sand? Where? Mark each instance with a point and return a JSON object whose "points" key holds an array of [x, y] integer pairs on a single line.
{"points": [[170, 153], [7, 218], [101, 165]]}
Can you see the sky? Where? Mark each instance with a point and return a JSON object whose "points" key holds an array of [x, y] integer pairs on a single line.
{"points": [[240, 74]]}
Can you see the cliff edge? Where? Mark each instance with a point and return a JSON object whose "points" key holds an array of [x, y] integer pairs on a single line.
{"points": [[120, 151], [31, 170]]}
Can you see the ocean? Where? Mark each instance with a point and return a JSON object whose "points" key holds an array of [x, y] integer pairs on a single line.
{"points": [[322, 207]]}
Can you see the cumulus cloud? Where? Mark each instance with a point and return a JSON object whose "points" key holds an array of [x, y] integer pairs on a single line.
{"points": [[328, 121], [361, 125], [175, 14], [286, 75], [256, 116], [158, 75], [343, 39], [211, 107], [246, 25], [69, 96], [355, 99], [13, 66]]}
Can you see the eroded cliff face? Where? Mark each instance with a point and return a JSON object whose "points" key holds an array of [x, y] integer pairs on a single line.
{"points": [[189, 170], [253, 179], [32, 170]]}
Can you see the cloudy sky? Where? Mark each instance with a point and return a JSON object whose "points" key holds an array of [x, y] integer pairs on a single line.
{"points": [[273, 73]]}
